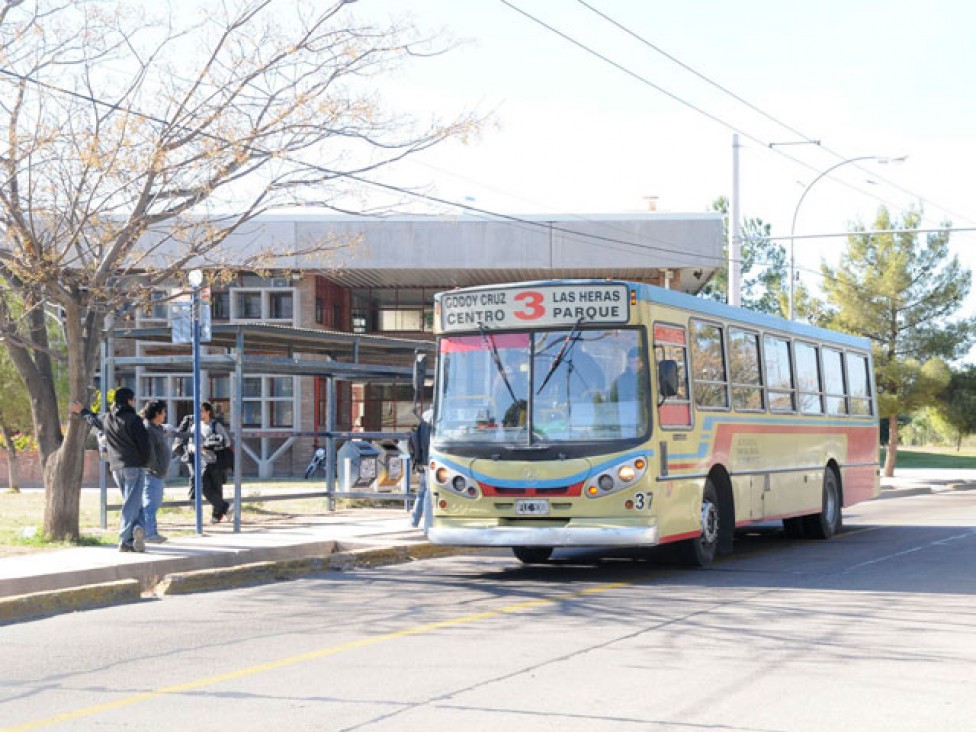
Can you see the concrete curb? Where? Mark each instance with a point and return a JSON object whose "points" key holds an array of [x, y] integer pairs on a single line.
{"points": [[54, 602], [347, 558]]}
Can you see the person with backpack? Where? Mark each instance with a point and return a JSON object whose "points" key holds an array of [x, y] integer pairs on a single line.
{"points": [[216, 451], [127, 443]]}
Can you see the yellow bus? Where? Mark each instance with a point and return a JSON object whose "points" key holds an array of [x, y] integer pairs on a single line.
{"points": [[574, 413]]}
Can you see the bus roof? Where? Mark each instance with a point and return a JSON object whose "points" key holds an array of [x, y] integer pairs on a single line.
{"points": [[698, 305]]}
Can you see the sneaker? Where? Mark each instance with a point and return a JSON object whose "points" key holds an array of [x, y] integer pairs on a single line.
{"points": [[230, 509], [157, 539], [138, 539], [216, 518], [126, 548]]}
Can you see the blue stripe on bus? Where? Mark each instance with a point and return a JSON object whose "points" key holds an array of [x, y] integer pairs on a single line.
{"points": [[553, 483]]}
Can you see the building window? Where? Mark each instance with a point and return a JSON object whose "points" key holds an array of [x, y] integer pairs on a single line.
{"points": [[248, 305], [269, 401], [220, 305], [394, 320], [158, 307], [282, 306]]}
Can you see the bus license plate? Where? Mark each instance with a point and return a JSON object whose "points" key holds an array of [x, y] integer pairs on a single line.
{"points": [[538, 507]]}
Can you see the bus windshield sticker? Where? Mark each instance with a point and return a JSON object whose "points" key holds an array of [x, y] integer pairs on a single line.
{"points": [[542, 306]]}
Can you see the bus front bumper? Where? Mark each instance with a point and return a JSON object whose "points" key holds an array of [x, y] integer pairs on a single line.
{"points": [[544, 535]]}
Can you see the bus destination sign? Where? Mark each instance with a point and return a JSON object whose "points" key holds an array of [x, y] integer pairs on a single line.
{"points": [[534, 307]]}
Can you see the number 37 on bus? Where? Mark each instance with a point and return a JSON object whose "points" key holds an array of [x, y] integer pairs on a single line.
{"points": [[578, 413]]}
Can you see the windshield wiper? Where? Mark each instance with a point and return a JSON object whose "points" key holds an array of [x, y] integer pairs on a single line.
{"points": [[490, 342], [567, 346]]}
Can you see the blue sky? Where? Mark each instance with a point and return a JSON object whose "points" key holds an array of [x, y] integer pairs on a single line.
{"points": [[570, 133]]}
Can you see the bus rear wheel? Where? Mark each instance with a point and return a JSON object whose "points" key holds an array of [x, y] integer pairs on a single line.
{"points": [[532, 554], [701, 551], [825, 524]]}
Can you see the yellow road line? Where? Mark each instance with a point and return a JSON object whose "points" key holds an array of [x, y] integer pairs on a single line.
{"points": [[305, 658]]}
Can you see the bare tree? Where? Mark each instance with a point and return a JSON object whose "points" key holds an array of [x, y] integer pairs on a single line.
{"points": [[136, 145]]}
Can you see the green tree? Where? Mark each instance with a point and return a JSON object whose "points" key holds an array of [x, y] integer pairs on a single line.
{"points": [[901, 291], [138, 136], [764, 270], [955, 414]]}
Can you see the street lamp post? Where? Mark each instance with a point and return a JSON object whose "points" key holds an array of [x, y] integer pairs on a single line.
{"points": [[796, 212], [195, 278]]}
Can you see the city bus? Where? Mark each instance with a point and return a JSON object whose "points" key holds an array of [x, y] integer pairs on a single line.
{"points": [[594, 413]]}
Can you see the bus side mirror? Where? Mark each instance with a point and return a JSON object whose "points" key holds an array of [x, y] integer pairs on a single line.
{"points": [[419, 378], [667, 379]]}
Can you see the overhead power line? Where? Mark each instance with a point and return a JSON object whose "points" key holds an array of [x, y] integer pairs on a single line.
{"points": [[805, 138], [671, 248]]}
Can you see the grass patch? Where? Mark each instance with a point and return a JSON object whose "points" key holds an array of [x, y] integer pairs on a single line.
{"points": [[933, 458]]}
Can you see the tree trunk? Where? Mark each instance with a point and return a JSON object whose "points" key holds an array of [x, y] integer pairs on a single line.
{"points": [[892, 453], [13, 474], [63, 475]]}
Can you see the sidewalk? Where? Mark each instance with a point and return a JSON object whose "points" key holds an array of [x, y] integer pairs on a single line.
{"points": [[50, 581], [916, 481]]}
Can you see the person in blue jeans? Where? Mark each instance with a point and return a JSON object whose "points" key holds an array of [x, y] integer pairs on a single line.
{"points": [[128, 455], [154, 415]]}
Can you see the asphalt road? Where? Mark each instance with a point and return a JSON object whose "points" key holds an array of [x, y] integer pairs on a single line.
{"points": [[873, 630]]}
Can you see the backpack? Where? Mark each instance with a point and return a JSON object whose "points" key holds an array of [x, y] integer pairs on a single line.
{"points": [[225, 459]]}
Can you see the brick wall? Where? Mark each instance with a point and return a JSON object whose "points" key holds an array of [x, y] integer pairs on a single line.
{"points": [[29, 469]]}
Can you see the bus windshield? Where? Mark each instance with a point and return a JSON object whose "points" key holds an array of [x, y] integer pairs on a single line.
{"points": [[540, 388]]}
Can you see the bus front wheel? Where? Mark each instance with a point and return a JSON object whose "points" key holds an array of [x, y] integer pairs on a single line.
{"points": [[532, 554], [825, 524], [701, 551]]}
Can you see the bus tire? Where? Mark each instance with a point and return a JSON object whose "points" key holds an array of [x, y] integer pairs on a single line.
{"points": [[701, 551], [532, 554], [825, 524]]}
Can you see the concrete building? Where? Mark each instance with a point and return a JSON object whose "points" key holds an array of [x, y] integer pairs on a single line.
{"points": [[377, 278]]}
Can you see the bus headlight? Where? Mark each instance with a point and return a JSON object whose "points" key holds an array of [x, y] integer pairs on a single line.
{"points": [[617, 478], [459, 484]]}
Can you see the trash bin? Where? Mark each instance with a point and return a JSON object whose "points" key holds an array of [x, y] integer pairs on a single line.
{"points": [[391, 466], [358, 465]]}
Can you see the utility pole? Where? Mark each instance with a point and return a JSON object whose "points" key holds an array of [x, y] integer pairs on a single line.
{"points": [[734, 296]]}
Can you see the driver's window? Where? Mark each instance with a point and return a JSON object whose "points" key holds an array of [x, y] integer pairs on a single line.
{"points": [[671, 344]]}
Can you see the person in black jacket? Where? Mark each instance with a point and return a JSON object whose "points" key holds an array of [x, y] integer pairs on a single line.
{"points": [[128, 455]]}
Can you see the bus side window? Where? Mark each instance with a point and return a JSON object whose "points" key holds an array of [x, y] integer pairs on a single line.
{"points": [[711, 386], [859, 381], [835, 385], [745, 372], [779, 374]]}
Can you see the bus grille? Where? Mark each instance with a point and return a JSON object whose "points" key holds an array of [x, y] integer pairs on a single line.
{"points": [[487, 489]]}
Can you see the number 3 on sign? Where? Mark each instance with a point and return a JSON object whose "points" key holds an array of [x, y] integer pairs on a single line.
{"points": [[532, 301]]}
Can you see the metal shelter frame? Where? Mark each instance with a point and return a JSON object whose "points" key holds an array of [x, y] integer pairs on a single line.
{"points": [[352, 357]]}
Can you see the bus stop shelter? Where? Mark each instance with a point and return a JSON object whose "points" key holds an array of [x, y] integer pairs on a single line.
{"points": [[279, 350]]}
